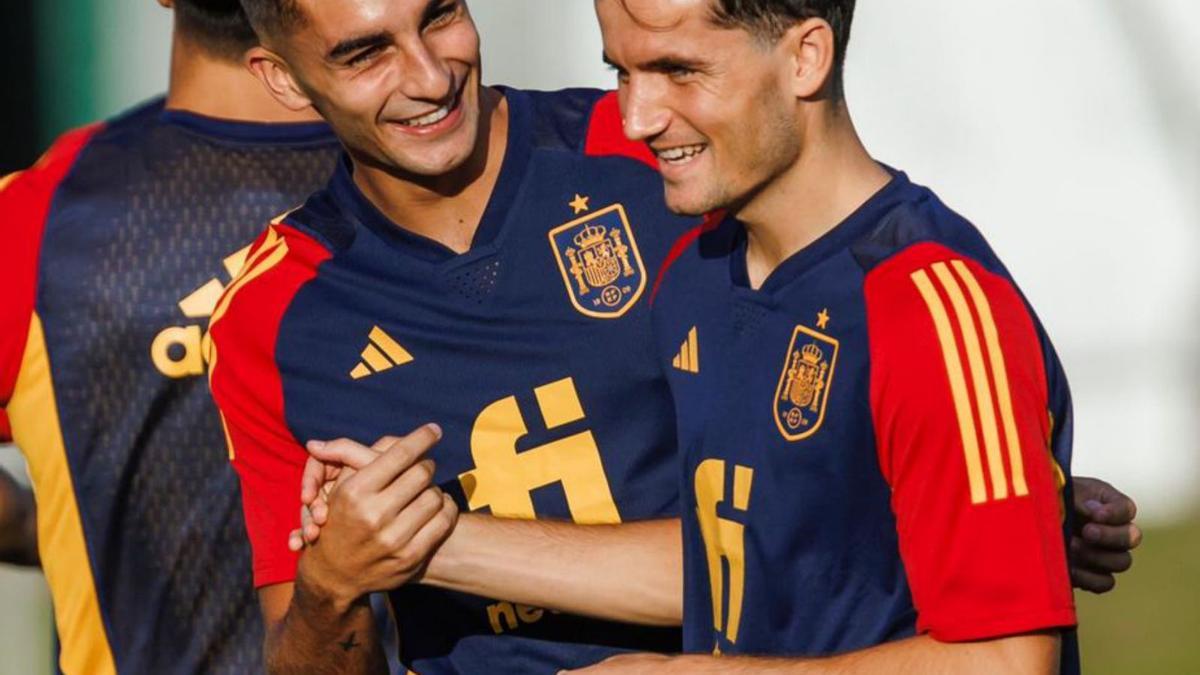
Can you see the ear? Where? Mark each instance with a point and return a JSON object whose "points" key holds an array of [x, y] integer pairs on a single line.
{"points": [[810, 48], [273, 72]]}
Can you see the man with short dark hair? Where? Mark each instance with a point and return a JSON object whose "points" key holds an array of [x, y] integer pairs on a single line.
{"points": [[885, 489], [119, 242]]}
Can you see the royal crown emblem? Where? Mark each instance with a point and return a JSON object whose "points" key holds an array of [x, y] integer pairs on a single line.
{"points": [[600, 262], [803, 391]]}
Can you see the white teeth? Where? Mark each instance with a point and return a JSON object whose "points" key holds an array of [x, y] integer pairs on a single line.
{"points": [[432, 118], [682, 153]]}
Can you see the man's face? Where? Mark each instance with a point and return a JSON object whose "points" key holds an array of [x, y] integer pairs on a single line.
{"points": [[711, 102], [398, 80]]}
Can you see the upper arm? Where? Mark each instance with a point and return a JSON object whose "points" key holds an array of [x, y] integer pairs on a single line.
{"points": [[274, 601], [960, 405], [25, 201], [247, 387]]}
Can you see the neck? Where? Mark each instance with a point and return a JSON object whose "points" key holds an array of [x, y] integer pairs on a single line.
{"points": [[446, 208], [209, 85], [832, 177]]}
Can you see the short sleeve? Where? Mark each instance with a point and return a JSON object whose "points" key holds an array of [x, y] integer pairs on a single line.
{"points": [[959, 401], [248, 389]]}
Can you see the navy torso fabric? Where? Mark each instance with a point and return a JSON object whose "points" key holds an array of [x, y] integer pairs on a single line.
{"points": [[532, 351], [784, 483], [137, 232]]}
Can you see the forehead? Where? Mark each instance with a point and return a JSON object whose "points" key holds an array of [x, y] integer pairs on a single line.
{"points": [[645, 30], [330, 21]]}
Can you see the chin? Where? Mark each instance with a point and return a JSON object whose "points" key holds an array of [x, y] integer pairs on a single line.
{"points": [[687, 204]]}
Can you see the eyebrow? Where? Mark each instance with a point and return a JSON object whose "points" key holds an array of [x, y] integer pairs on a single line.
{"points": [[351, 45], [659, 65]]}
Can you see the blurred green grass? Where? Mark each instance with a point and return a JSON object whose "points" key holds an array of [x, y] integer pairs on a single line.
{"points": [[1149, 624]]}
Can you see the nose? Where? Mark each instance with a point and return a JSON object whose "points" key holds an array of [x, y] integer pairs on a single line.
{"points": [[424, 76], [642, 108]]}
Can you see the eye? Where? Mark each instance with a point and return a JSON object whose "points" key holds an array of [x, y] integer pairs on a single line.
{"points": [[680, 72], [622, 75], [363, 56], [442, 15]]}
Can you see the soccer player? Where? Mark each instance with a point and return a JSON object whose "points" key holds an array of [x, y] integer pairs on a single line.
{"points": [[475, 261], [120, 239], [894, 425]]}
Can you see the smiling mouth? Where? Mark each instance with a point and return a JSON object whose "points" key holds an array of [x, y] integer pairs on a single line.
{"points": [[681, 154], [431, 118]]}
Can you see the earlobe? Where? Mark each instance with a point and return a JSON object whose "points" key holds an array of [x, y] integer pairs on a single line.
{"points": [[271, 70]]}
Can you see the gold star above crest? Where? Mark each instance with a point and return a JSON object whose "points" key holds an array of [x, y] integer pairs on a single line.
{"points": [[823, 319], [580, 204]]}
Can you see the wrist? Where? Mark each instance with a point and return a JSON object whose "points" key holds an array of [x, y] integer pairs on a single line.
{"points": [[449, 564], [323, 595]]}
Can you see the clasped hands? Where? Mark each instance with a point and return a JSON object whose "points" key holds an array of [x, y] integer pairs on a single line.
{"points": [[372, 515]]}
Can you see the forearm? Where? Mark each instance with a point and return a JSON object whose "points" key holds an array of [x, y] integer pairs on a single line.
{"points": [[18, 523], [1027, 654], [630, 572], [318, 635]]}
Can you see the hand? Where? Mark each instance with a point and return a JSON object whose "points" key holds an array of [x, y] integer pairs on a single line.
{"points": [[1104, 535], [630, 664], [320, 478], [383, 521]]}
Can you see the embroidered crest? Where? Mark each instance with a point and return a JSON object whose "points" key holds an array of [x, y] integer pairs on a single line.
{"points": [[600, 262], [803, 390]]}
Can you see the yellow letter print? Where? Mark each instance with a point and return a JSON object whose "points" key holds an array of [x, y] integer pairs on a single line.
{"points": [[504, 479], [724, 539]]}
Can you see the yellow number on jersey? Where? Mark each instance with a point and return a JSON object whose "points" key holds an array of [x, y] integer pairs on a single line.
{"points": [[504, 479], [724, 539]]}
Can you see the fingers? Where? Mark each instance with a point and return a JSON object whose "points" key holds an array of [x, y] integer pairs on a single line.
{"points": [[342, 451], [1115, 537], [401, 454], [1097, 501], [435, 531], [408, 486], [399, 533], [1095, 559], [1092, 582], [316, 473]]}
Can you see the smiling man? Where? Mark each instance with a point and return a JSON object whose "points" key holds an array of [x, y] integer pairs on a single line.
{"points": [[481, 258], [884, 488]]}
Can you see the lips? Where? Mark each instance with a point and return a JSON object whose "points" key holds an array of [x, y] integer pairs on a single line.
{"points": [[436, 119]]}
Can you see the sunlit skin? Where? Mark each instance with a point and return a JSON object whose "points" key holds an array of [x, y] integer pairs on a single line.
{"points": [[399, 82], [757, 121]]}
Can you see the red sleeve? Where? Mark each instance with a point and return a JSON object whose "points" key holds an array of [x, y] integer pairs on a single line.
{"points": [[959, 401], [25, 200], [248, 390]]}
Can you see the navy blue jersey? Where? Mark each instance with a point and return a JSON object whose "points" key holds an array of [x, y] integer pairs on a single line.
{"points": [[866, 438], [532, 351], [119, 243]]}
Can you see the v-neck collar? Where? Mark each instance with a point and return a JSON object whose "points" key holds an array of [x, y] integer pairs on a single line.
{"points": [[856, 225], [512, 172]]}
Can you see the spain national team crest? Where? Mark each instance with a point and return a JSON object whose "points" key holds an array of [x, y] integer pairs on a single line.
{"points": [[600, 262], [803, 391]]}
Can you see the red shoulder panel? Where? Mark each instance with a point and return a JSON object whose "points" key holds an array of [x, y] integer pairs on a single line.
{"points": [[960, 406], [25, 200], [606, 134], [248, 389], [710, 222]]}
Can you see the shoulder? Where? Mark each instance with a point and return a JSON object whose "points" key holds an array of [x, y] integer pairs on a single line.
{"points": [[712, 239], [281, 261], [587, 121]]}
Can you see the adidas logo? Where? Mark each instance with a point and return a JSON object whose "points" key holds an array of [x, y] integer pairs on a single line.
{"points": [[382, 353], [181, 351], [688, 358]]}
